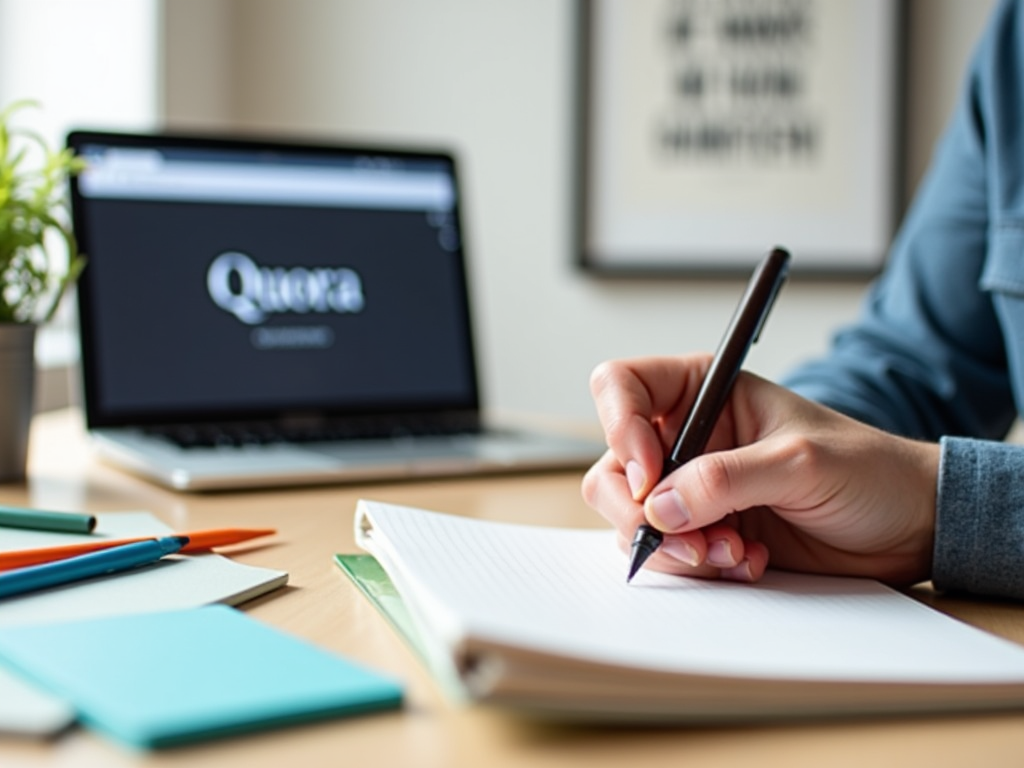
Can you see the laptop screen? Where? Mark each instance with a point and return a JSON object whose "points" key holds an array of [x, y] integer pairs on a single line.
{"points": [[231, 279]]}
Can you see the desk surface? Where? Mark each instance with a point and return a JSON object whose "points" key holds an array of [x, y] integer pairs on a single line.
{"points": [[320, 605]]}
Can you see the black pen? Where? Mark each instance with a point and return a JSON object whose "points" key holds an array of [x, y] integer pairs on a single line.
{"points": [[743, 331]]}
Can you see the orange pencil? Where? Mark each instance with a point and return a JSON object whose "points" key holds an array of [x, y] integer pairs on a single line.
{"points": [[197, 541]]}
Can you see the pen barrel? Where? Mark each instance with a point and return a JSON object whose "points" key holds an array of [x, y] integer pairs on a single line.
{"points": [[44, 520], [744, 329], [88, 566]]}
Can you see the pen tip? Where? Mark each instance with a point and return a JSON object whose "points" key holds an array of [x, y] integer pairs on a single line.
{"points": [[645, 542], [634, 566]]}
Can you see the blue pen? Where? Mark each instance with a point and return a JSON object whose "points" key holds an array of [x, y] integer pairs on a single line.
{"points": [[86, 566]]}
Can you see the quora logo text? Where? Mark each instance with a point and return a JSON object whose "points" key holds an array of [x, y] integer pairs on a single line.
{"points": [[250, 292]]}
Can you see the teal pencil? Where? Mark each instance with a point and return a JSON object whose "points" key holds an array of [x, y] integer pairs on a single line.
{"points": [[87, 566], [41, 520]]}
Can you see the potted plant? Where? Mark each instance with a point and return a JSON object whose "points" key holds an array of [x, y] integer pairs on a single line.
{"points": [[39, 259]]}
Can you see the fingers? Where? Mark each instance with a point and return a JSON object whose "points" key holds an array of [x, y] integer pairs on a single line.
{"points": [[639, 403], [725, 546], [680, 554], [713, 486], [752, 566], [606, 489], [715, 552], [824, 492]]}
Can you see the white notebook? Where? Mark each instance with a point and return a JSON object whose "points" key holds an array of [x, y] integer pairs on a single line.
{"points": [[542, 619]]}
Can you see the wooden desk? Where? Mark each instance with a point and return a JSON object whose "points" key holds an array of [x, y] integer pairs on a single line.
{"points": [[319, 604]]}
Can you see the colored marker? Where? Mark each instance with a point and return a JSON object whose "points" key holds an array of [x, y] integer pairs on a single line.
{"points": [[198, 541], [42, 520], [87, 566]]}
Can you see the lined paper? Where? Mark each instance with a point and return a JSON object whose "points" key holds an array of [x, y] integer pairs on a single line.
{"points": [[564, 591]]}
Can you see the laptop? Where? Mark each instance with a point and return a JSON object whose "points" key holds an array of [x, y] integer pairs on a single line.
{"points": [[258, 313]]}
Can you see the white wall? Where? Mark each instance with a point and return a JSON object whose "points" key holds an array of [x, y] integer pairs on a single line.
{"points": [[495, 80], [84, 63]]}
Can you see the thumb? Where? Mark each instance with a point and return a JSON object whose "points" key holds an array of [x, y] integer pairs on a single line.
{"points": [[712, 486]]}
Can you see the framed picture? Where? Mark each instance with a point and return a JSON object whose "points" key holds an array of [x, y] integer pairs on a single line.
{"points": [[712, 131]]}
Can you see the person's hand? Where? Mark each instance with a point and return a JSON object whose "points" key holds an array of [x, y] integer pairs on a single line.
{"points": [[781, 477]]}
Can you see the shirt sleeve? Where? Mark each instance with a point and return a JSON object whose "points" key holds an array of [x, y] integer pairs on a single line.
{"points": [[927, 357], [979, 530]]}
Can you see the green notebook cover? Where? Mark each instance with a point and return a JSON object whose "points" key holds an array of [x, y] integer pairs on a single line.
{"points": [[373, 581], [167, 678]]}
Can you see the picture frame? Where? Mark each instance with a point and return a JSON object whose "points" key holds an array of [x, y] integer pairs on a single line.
{"points": [[710, 132]]}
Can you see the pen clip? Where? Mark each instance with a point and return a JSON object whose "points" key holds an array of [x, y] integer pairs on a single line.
{"points": [[776, 287]]}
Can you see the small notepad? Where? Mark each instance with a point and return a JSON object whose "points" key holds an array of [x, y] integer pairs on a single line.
{"points": [[167, 678]]}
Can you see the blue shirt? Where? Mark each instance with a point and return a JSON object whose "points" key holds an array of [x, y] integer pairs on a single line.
{"points": [[938, 350]]}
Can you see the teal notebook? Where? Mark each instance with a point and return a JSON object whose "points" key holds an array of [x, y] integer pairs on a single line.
{"points": [[168, 678]]}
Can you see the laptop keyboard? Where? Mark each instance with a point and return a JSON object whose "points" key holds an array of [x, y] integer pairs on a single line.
{"points": [[238, 434]]}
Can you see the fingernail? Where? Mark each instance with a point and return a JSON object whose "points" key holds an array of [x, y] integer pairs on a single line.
{"points": [[668, 510], [739, 572], [635, 478], [681, 551], [720, 554]]}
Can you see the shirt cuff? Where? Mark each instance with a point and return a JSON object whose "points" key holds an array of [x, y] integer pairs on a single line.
{"points": [[979, 518]]}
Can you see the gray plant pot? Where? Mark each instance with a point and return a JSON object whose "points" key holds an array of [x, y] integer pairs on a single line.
{"points": [[17, 391]]}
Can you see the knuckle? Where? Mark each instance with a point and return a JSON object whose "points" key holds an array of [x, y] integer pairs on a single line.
{"points": [[803, 454], [596, 478], [589, 485], [617, 430], [714, 479], [604, 376]]}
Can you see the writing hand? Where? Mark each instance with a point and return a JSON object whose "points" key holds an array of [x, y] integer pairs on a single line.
{"points": [[782, 478]]}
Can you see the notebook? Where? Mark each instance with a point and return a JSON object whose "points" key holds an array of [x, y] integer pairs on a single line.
{"points": [[270, 313], [172, 677], [541, 621]]}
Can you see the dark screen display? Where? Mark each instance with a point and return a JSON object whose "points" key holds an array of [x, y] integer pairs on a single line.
{"points": [[225, 308]]}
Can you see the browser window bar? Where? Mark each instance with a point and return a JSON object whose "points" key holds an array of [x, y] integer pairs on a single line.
{"points": [[270, 184]]}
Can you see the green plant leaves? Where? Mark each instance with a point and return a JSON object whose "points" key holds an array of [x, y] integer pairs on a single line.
{"points": [[39, 257]]}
